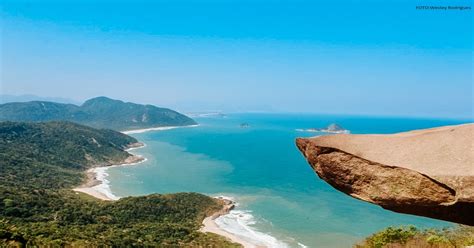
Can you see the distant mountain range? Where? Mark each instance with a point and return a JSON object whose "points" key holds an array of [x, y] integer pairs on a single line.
{"points": [[5, 98], [99, 112]]}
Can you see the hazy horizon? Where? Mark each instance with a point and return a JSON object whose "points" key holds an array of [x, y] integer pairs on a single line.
{"points": [[269, 56]]}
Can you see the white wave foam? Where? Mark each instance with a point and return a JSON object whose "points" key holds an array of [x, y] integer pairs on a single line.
{"points": [[302, 245], [239, 223], [104, 187], [101, 176]]}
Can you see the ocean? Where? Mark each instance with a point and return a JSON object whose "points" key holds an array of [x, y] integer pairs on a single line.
{"points": [[281, 201]]}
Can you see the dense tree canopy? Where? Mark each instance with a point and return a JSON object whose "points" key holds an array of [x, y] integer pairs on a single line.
{"points": [[41, 162]]}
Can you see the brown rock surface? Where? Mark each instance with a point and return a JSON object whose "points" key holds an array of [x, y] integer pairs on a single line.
{"points": [[426, 172]]}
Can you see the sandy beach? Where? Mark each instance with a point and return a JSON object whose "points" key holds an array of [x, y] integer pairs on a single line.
{"points": [[93, 192], [96, 184], [155, 129], [209, 225], [90, 187], [95, 187]]}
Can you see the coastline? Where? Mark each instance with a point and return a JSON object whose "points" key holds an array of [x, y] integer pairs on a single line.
{"points": [[133, 131], [97, 186], [209, 224]]}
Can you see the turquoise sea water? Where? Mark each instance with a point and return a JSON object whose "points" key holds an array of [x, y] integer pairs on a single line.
{"points": [[261, 168]]}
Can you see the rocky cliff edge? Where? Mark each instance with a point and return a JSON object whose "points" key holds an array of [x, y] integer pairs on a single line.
{"points": [[426, 172]]}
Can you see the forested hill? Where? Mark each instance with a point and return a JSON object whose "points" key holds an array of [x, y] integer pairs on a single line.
{"points": [[48, 154], [99, 112], [41, 162]]}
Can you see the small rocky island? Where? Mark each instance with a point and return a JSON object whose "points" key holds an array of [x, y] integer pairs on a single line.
{"points": [[332, 128], [426, 172], [244, 125]]}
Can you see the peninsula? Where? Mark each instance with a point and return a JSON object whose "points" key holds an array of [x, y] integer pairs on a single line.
{"points": [[99, 112]]}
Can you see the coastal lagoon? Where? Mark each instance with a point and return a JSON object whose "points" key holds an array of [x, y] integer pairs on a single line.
{"points": [[281, 201]]}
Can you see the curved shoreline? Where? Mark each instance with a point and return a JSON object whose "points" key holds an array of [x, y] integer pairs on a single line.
{"points": [[97, 186], [133, 131], [209, 224]]}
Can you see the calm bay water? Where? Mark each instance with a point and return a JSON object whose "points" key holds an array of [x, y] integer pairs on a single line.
{"points": [[261, 168]]}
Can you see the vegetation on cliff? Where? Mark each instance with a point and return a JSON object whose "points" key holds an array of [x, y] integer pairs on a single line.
{"points": [[99, 112], [411, 237], [40, 162]]}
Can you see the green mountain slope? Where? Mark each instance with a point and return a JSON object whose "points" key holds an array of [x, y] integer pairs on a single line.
{"points": [[99, 112], [41, 162], [55, 153]]}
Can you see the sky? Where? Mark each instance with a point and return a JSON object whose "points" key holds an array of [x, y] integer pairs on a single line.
{"points": [[353, 57]]}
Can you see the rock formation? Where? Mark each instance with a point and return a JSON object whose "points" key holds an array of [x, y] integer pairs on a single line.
{"points": [[426, 172]]}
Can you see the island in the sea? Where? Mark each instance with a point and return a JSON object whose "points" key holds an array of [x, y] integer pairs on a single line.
{"points": [[244, 125], [332, 128]]}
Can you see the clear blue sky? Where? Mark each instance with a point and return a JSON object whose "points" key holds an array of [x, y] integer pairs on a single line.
{"points": [[338, 56]]}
